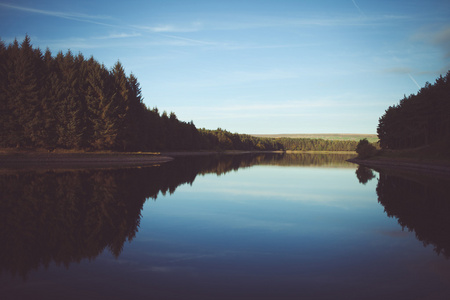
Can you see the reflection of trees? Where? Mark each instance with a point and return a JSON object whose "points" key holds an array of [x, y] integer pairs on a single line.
{"points": [[67, 215], [312, 159], [364, 174], [421, 206]]}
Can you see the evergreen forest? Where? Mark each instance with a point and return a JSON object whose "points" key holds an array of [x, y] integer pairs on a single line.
{"points": [[67, 101], [419, 120]]}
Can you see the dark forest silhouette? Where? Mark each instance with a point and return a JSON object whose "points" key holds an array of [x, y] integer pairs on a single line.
{"points": [[70, 102], [419, 120]]}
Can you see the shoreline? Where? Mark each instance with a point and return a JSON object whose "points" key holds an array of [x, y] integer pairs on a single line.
{"points": [[35, 160], [68, 160], [40, 159], [433, 167], [77, 160]]}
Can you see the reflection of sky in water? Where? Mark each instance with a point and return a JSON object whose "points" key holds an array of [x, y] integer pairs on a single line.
{"points": [[270, 198], [287, 228], [264, 232]]}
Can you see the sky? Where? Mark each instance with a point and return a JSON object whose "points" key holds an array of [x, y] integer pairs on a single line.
{"points": [[254, 67]]}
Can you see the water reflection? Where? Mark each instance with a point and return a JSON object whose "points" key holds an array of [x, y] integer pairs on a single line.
{"points": [[364, 174], [418, 201], [64, 216], [335, 160]]}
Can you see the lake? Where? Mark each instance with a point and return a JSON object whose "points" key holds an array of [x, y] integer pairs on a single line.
{"points": [[254, 226]]}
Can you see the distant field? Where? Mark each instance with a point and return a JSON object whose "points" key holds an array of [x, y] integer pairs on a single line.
{"points": [[326, 136]]}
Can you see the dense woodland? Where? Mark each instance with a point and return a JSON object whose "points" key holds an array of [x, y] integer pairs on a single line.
{"points": [[70, 102], [419, 120]]}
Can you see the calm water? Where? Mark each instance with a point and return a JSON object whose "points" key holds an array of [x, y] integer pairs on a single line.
{"points": [[232, 227]]}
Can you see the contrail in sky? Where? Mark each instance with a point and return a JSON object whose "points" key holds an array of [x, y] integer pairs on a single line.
{"points": [[359, 9], [413, 80]]}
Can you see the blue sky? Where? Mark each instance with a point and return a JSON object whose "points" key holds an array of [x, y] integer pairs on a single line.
{"points": [[314, 66]]}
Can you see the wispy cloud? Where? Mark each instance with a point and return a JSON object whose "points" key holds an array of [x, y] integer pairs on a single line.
{"points": [[76, 43], [236, 23], [119, 36], [95, 19], [188, 40], [171, 28], [248, 76], [175, 34], [172, 32], [89, 43], [257, 22], [397, 70], [232, 78], [113, 40], [295, 108], [136, 40], [437, 37], [53, 13], [442, 40], [179, 31]]}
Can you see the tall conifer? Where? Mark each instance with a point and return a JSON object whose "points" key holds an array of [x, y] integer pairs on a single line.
{"points": [[97, 100], [120, 101], [70, 129], [4, 111], [49, 100], [133, 134], [24, 93]]}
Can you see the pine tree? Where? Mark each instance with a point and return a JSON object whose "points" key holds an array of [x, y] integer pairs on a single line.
{"points": [[133, 135], [4, 111], [96, 99], [70, 123], [49, 100], [120, 101], [102, 107], [23, 94]]}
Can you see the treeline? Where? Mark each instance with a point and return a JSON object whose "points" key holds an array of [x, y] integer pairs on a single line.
{"points": [[418, 120], [224, 140], [301, 144], [70, 102]]}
